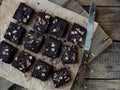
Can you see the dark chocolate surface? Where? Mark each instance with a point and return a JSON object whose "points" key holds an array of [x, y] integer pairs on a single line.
{"points": [[7, 52], [33, 41], [52, 47], [61, 77], [42, 70], [15, 33], [23, 61], [58, 27], [23, 13], [42, 22]]}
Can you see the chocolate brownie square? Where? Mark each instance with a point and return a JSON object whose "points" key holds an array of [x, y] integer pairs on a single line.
{"points": [[42, 70], [69, 54], [7, 52], [61, 77], [76, 34], [58, 27], [33, 41], [23, 61], [23, 13], [52, 47], [42, 22], [15, 33]]}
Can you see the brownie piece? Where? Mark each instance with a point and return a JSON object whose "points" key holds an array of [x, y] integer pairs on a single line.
{"points": [[42, 70], [61, 77], [58, 27], [42, 22], [23, 13], [52, 47], [15, 33], [69, 54], [76, 34], [23, 61], [33, 41], [7, 52]]}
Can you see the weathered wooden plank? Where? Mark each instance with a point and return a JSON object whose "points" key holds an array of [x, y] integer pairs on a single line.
{"points": [[17, 87], [108, 18], [4, 84], [106, 66], [100, 2], [103, 85], [98, 85], [90, 85], [60, 2], [74, 6]]}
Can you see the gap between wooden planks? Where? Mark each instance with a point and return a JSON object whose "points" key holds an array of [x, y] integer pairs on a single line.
{"points": [[112, 3]]}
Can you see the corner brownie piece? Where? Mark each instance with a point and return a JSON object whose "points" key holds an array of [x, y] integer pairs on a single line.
{"points": [[58, 27], [69, 54], [15, 33], [42, 70], [33, 41], [7, 52], [52, 47], [42, 22], [61, 77], [23, 13], [76, 34], [23, 61]]}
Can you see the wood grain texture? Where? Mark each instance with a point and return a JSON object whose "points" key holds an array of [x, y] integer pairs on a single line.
{"points": [[99, 85], [100, 2], [109, 19], [60, 2], [103, 85], [107, 65], [69, 4], [74, 6]]}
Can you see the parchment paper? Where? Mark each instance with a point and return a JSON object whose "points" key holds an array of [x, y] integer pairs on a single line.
{"points": [[10, 73]]}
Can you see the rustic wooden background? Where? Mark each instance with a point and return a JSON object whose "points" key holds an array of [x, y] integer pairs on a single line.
{"points": [[105, 69]]}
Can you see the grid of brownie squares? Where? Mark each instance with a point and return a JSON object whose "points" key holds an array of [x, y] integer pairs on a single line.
{"points": [[52, 47], [61, 77], [42, 70], [58, 27], [33, 41], [23, 61], [23, 13], [7, 52], [69, 54], [42, 22], [15, 33], [76, 34]]}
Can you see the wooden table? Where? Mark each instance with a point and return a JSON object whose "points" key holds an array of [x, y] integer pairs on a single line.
{"points": [[105, 69]]}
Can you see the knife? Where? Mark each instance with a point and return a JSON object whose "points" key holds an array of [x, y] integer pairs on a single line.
{"points": [[90, 32]]}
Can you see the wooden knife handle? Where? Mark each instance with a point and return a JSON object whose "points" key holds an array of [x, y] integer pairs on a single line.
{"points": [[83, 67]]}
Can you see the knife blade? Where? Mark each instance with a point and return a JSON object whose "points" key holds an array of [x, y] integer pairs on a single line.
{"points": [[90, 33]]}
